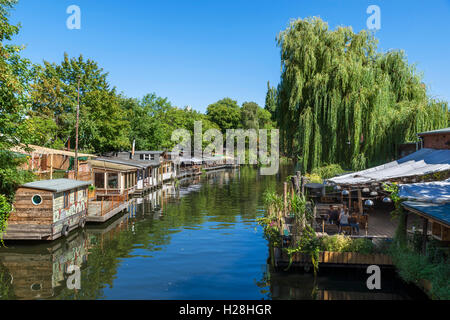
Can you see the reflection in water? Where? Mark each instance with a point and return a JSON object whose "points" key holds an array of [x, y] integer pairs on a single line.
{"points": [[197, 241]]}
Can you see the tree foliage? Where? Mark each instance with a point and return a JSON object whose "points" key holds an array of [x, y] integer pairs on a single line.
{"points": [[226, 113], [54, 94], [341, 101]]}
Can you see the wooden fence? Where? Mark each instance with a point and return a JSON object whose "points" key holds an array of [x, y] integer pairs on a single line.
{"points": [[328, 257]]}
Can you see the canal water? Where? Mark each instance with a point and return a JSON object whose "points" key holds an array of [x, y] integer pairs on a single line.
{"points": [[195, 239]]}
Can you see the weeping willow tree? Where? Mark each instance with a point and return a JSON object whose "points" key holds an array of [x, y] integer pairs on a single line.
{"points": [[341, 101]]}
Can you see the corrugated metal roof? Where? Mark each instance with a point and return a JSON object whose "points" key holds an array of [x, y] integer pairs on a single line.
{"points": [[421, 162], [436, 192], [439, 212], [148, 152], [130, 162], [111, 165], [43, 150], [56, 185], [444, 130]]}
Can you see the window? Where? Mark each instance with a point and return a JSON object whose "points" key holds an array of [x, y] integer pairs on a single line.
{"points": [[113, 180], [37, 199], [142, 157], [99, 180], [76, 195], [66, 199]]}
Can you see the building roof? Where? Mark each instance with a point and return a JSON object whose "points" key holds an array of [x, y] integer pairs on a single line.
{"points": [[111, 165], [436, 191], [44, 150], [444, 130], [438, 212], [148, 152], [56, 185], [423, 161], [131, 162]]}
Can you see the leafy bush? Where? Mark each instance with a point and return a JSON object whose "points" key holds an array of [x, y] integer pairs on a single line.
{"points": [[314, 178], [413, 267], [361, 245], [5, 209], [335, 243], [328, 171], [341, 243]]}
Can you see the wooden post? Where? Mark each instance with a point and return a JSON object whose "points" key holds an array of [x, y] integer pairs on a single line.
{"points": [[51, 166], [302, 182], [101, 208], [349, 199], [285, 198], [424, 235], [360, 206]]}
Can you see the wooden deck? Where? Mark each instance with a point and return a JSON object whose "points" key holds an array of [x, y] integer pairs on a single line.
{"points": [[379, 225], [95, 210]]}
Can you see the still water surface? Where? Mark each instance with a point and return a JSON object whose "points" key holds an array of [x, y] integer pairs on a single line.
{"points": [[198, 240]]}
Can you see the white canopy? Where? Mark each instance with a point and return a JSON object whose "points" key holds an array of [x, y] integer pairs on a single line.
{"points": [[423, 161]]}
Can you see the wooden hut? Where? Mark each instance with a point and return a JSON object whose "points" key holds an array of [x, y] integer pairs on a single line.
{"points": [[48, 209], [112, 179], [167, 169], [436, 216], [46, 161], [145, 171]]}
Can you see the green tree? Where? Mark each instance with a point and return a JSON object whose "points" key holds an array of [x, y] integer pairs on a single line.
{"points": [[225, 113], [271, 101], [249, 115], [154, 120], [103, 125], [14, 80], [341, 101], [264, 119]]}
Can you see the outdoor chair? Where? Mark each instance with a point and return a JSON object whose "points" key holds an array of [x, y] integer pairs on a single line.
{"points": [[363, 220], [346, 229]]}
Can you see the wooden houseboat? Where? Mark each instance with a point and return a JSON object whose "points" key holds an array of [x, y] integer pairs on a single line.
{"points": [[167, 169], [112, 179], [49, 163], [147, 170], [48, 209]]}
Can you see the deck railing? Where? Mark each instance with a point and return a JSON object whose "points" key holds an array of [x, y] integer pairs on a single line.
{"points": [[112, 203]]}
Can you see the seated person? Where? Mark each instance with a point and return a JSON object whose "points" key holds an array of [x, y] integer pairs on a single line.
{"points": [[333, 216], [354, 223], [329, 211]]}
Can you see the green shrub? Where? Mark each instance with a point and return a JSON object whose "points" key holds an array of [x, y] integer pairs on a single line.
{"points": [[413, 267], [328, 171], [341, 243], [5, 209], [314, 178], [336, 243], [362, 246]]}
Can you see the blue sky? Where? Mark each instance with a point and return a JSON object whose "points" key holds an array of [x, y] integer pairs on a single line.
{"points": [[196, 52]]}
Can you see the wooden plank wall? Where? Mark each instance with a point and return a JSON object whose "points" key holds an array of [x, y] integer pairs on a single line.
{"points": [[27, 213]]}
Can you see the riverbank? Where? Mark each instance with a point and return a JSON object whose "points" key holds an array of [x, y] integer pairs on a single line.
{"points": [[201, 240]]}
